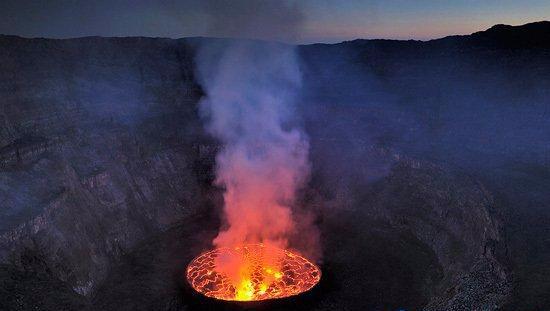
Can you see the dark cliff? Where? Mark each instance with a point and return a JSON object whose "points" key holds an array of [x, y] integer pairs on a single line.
{"points": [[99, 147]]}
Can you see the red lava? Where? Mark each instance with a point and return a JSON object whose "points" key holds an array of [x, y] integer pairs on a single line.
{"points": [[251, 272]]}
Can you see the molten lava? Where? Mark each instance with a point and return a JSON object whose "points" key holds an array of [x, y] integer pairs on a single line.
{"points": [[251, 272]]}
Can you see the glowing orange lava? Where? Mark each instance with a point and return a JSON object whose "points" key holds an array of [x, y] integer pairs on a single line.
{"points": [[251, 272]]}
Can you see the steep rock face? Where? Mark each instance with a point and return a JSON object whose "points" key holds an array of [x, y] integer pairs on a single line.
{"points": [[450, 212], [98, 140], [476, 101], [35, 290], [455, 215]]}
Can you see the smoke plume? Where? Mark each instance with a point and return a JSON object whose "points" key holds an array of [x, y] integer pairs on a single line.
{"points": [[265, 158], [250, 90]]}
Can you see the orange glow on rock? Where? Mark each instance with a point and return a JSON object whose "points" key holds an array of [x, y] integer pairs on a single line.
{"points": [[251, 272]]}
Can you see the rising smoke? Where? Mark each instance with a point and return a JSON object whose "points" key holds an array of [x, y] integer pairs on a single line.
{"points": [[251, 88]]}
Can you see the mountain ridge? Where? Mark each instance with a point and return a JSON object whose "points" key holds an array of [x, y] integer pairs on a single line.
{"points": [[538, 28]]}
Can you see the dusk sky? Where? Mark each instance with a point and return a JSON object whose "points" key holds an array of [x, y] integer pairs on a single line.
{"points": [[311, 20]]}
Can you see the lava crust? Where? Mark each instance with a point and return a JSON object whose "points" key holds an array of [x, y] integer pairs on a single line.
{"points": [[251, 272]]}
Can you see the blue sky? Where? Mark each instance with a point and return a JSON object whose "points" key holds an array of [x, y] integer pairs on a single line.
{"points": [[319, 20]]}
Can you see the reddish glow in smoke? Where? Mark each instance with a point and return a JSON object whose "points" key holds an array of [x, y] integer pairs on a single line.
{"points": [[260, 182], [264, 159]]}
